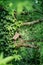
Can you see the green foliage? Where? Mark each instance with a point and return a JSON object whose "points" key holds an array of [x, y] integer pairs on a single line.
{"points": [[4, 61], [26, 10]]}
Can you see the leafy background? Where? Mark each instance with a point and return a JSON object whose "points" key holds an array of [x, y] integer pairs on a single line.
{"points": [[9, 24]]}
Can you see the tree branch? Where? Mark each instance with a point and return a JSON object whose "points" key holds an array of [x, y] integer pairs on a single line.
{"points": [[25, 45], [31, 23]]}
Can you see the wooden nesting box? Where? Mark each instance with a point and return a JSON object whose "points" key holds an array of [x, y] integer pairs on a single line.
{"points": [[16, 36]]}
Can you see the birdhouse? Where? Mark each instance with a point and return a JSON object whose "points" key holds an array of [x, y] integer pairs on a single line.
{"points": [[16, 36]]}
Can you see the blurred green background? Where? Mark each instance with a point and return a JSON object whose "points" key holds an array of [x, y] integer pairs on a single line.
{"points": [[12, 14]]}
